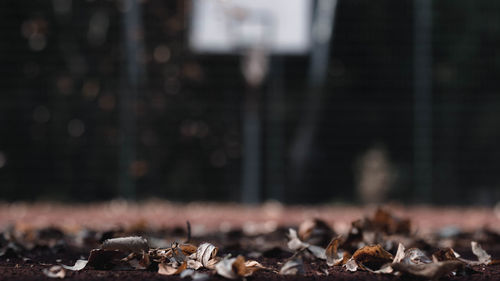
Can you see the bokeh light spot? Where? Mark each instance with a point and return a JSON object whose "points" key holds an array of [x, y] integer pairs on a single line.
{"points": [[41, 114], [76, 128], [161, 54]]}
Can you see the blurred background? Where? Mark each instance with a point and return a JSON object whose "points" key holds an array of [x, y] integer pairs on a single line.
{"points": [[363, 101]]}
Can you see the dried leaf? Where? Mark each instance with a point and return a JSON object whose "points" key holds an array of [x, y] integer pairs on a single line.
{"points": [[482, 256], [293, 267], [415, 256], [205, 254], [432, 271], [317, 251], [400, 254], [196, 276], [188, 249], [177, 254], [387, 268], [245, 268], [141, 263], [386, 222], [351, 265], [331, 252], [234, 268], [225, 268], [295, 244], [168, 269], [79, 265], [447, 254], [306, 229], [194, 264], [55, 271], [135, 244], [315, 231], [372, 257]]}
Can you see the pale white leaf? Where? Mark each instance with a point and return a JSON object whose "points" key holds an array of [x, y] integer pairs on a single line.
{"points": [[482, 256], [351, 265], [79, 265], [293, 267], [415, 256], [295, 244], [400, 254], [196, 276], [205, 253], [194, 264], [225, 268], [317, 251], [55, 271], [135, 244]]}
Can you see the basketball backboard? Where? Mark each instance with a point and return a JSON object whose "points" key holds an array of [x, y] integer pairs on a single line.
{"points": [[233, 26]]}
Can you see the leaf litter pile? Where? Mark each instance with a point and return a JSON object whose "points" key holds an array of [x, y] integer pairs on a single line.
{"points": [[380, 246]]}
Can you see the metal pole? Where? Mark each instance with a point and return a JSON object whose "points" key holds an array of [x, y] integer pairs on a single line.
{"points": [[133, 46], [251, 148], [275, 133], [254, 69], [423, 100], [322, 31]]}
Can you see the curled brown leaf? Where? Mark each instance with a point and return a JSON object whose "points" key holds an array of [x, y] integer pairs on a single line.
{"points": [[333, 257], [447, 254], [234, 268], [372, 257]]}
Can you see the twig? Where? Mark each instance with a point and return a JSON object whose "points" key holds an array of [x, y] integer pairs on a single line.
{"points": [[188, 232]]}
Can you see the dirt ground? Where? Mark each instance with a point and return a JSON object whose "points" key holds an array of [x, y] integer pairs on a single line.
{"points": [[258, 233]]}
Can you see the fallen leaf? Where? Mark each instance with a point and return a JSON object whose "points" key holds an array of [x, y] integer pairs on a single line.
{"points": [[234, 268], [317, 251], [55, 271], [351, 265], [387, 268], [400, 254], [372, 257], [141, 263], [295, 244], [293, 267], [196, 276], [432, 271], [482, 256], [331, 252], [135, 244], [386, 222], [245, 268], [315, 231], [205, 254], [167, 269], [447, 254], [194, 264], [188, 249], [79, 265], [225, 268], [415, 256]]}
